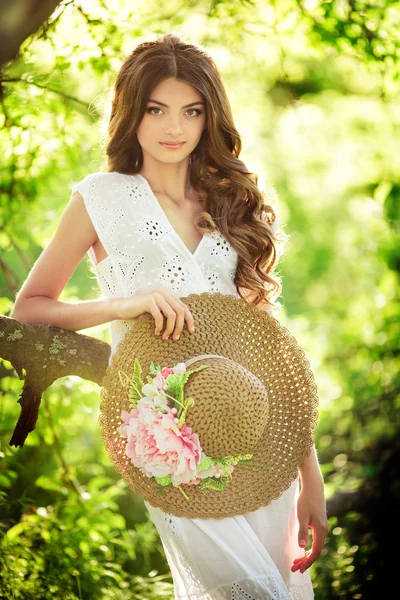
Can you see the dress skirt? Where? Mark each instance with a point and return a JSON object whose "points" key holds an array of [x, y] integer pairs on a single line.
{"points": [[246, 557]]}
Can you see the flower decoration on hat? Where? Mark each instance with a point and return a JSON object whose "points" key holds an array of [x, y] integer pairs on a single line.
{"points": [[159, 442]]}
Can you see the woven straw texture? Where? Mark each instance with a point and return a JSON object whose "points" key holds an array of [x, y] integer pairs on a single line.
{"points": [[231, 407], [277, 424]]}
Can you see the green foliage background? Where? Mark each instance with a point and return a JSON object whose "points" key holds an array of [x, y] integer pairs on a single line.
{"points": [[314, 89]]}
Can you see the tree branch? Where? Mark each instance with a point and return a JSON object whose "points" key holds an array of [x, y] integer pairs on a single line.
{"points": [[30, 81], [19, 20], [41, 354]]}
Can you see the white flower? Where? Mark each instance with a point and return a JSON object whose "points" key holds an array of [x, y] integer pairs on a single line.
{"points": [[160, 401], [210, 472], [151, 402], [150, 390]]}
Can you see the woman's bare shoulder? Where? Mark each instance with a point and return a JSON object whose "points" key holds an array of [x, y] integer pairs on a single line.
{"points": [[73, 236]]}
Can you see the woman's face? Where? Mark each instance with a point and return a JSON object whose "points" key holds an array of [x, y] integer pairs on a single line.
{"points": [[168, 118]]}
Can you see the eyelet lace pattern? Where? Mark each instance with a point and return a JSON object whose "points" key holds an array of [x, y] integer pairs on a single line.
{"points": [[143, 251]]}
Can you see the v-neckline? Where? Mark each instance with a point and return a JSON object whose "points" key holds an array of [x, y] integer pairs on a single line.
{"points": [[168, 222]]}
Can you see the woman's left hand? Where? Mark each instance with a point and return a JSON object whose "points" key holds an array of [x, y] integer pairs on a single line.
{"points": [[311, 512]]}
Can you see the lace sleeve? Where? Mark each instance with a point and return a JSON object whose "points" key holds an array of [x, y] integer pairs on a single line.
{"points": [[98, 210]]}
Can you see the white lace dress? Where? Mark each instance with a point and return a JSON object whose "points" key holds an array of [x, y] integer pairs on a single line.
{"points": [[247, 557]]}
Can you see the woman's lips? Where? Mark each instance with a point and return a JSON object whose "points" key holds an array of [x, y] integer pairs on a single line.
{"points": [[172, 145]]}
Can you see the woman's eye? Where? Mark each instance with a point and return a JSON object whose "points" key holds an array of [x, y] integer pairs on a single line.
{"points": [[153, 108], [196, 110]]}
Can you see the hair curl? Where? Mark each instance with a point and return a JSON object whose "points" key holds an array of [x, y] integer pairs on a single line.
{"points": [[233, 202]]}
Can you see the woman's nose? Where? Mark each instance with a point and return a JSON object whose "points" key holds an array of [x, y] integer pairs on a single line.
{"points": [[174, 126]]}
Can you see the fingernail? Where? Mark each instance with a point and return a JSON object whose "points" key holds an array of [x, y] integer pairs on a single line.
{"points": [[177, 337], [302, 543]]}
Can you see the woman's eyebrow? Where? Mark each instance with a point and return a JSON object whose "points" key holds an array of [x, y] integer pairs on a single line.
{"points": [[166, 105]]}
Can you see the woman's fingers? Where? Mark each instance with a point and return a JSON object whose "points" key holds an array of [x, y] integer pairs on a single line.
{"points": [[304, 562], [159, 308], [303, 534], [176, 312], [298, 562]]}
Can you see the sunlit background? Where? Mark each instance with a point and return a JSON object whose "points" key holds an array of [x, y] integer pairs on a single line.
{"points": [[314, 90]]}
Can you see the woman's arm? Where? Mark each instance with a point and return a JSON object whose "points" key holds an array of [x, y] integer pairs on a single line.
{"points": [[37, 301], [310, 473], [311, 506], [311, 512]]}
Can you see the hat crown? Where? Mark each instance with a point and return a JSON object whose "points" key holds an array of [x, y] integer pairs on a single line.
{"points": [[230, 408]]}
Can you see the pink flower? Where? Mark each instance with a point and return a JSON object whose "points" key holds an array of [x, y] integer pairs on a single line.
{"points": [[166, 371], [179, 368], [194, 482], [156, 445], [159, 382], [219, 472], [126, 417]]}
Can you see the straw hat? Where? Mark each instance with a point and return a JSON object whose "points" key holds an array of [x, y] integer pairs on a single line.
{"points": [[256, 396]]}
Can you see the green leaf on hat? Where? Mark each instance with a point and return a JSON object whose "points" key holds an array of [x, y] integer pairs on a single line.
{"points": [[154, 370], [174, 384], [213, 484], [205, 463], [136, 383], [164, 480]]}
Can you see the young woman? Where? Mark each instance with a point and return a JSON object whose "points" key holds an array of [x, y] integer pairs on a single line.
{"points": [[176, 212]]}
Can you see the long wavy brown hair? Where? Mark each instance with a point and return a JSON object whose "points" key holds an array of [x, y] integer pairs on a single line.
{"points": [[233, 202]]}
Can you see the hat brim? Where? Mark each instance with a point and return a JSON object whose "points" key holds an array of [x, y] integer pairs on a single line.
{"points": [[231, 327]]}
